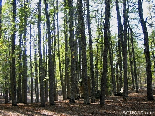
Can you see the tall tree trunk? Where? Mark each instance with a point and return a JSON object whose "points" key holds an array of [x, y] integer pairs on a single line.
{"points": [[71, 43], [131, 60], [24, 79], [120, 41], [97, 58], [13, 72], [67, 79], [84, 57], [24, 54], [31, 67], [53, 56], [96, 70], [76, 59], [41, 72], [105, 52], [36, 71], [50, 69], [134, 61], [6, 89], [60, 69], [79, 60], [147, 52], [112, 68], [117, 78], [45, 67], [19, 90], [36, 76], [124, 47], [153, 52], [91, 55]]}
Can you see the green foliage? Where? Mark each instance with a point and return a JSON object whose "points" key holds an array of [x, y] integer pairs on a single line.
{"points": [[97, 25]]}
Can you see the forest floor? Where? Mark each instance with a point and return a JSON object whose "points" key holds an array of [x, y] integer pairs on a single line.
{"points": [[136, 104]]}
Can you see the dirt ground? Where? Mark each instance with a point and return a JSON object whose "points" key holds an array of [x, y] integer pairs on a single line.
{"points": [[136, 104]]}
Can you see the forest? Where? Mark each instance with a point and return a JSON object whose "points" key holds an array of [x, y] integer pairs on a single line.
{"points": [[77, 57]]}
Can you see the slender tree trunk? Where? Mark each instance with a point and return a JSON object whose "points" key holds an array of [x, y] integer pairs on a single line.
{"points": [[134, 61], [6, 92], [45, 66], [51, 54], [60, 69], [71, 43], [84, 57], [147, 52], [105, 52], [112, 69], [50, 60], [79, 60], [67, 79], [19, 90], [6, 84], [41, 72], [13, 72], [24, 79], [31, 67], [96, 70], [131, 60], [91, 56], [120, 41], [36, 76], [36, 71], [53, 48], [76, 59], [97, 59], [80, 54], [54, 61], [45, 69], [124, 47], [77, 78]]}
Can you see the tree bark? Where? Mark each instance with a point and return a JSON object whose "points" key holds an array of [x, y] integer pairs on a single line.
{"points": [[31, 67], [120, 41], [53, 56], [84, 57], [67, 79], [72, 47], [146, 52], [124, 47], [134, 61], [91, 55], [24, 80], [50, 68], [60, 69], [36, 76], [112, 68], [131, 58], [46, 67], [13, 72], [19, 89], [105, 51], [41, 72]]}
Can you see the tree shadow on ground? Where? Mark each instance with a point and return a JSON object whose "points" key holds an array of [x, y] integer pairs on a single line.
{"points": [[136, 104]]}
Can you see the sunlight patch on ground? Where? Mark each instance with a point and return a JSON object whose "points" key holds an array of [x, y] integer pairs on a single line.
{"points": [[47, 112], [7, 113]]}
